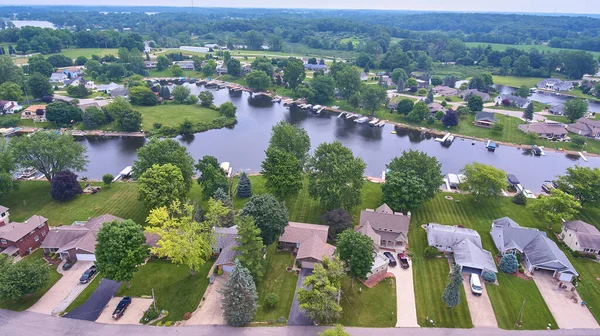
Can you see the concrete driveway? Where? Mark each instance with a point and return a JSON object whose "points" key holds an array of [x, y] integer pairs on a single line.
{"points": [[64, 291], [91, 309], [406, 309], [568, 314], [297, 317], [133, 314], [210, 311], [482, 313]]}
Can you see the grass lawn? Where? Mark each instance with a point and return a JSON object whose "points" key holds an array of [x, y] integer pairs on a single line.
{"points": [[373, 307], [85, 294], [168, 73], [517, 81], [276, 280], [525, 47], [175, 290], [28, 301], [172, 114], [88, 52]]}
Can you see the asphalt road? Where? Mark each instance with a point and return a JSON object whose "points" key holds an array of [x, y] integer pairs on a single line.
{"points": [[91, 309], [297, 317]]}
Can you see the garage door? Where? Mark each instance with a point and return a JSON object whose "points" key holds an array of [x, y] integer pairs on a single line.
{"points": [[227, 268], [308, 264], [565, 277], [471, 270], [85, 257]]}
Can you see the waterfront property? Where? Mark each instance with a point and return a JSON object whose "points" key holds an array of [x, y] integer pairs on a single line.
{"points": [[546, 129], [581, 236], [19, 239], [510, 100], [554, 84], [35, 112], [387, 229], [466, 94], [443, 91], [484, 119], [585, 127], [185, 65], [225, 241], [308, 242]]}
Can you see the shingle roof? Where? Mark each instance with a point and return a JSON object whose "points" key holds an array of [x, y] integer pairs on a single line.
{"points": [[585, 127], [468, 254], [446, 235], [314, 247], [544, 128], [384, 219], [298, 232], [488, 116], [516, 99], [368, 231], [588, 235], [227, 255], [543, 250], [15, 231], [3, 209]]}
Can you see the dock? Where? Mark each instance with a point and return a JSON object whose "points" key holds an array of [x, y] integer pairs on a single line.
{"points": [[582, 156], [126, 172], [79, 133], [444, 138]]}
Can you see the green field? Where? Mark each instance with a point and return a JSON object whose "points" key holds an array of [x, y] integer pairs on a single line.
{"points": [[368, 307], [517, 81], [88, 52], [540, 48], [166, 73], [171, 114]]}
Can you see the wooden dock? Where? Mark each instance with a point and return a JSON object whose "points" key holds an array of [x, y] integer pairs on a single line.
{"points": [[108, 134]]}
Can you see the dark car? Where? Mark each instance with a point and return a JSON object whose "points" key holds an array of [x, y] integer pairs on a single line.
{"points": [[67, 265], [120, 310], [88, 275], [403, 261], [392, 261]]}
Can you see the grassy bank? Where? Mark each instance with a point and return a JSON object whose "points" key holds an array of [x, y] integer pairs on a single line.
{"points": [[517, 82], [173, 115]]}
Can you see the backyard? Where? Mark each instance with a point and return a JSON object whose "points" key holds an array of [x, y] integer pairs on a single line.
{"points": [[517, 81], [368, 307], [173, 115]]}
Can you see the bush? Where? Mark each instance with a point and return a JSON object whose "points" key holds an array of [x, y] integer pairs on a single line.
{"points": [[157, 125], [64, 186], [430, 120], [444, 104], [489, 276], [107, 178], [519, 199], [521, 269], [448, 99], [149, 315], [219, 271], [439, 115], [431, 252], [271, 300], [187, 316], [422, 92], [497, 127], [591, 256], [576, 254], [509, 263]]}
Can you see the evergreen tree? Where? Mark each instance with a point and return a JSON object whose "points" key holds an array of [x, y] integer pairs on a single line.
{"points": [[451, 295], [244, 189], [528, 114], [251, 248], [220, 195], [239, 297], [509, 263], [164, 92], [429, 97]]}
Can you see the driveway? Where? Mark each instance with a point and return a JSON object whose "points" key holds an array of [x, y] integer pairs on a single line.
{"points": [[64, 291], [568, 314], [133, 314], [91, 309], [297, 317], [210, 311], [102, 102], [482, 313], [406, 309]]}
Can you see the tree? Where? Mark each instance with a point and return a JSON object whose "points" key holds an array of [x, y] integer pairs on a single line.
{"points": [[431, 252], [475, 103], [450, 118], [162, 62], [528, 113], [210, 68], [81, 60], [176, 71], [405, 106], [270, 216], [227, 109], [160, 185], [39, 85], [49, 153], [258, 80], [239, 297], [115, 71], [519, 198], [120, 248], [419, 112], [161, 152], [234, 67], [575, 109], [290, 138], [181, 238], [7, 168], [22, 278], [373, 96], [59, 60], [180, 93], [63, 114], [11, 91], [578, 63], [37, 64], [293, 72], [521, 66], [348, 81], [131, 121], [107, 179], [263, 64], [9, 72], [319, 291], [483, 181], [556, 207], [581, 182], [523, 91], [64, 186], [254, 39], [451, 295], [337, 330], [206, 98], [404, 191], [283, 173], [429, 98], [212, 176], [489, 276], [79, 91], [509, 263], [357, 251], [435, 81], [426, 167], [93, 117], [271, 299], [164, 93], [250, 248], [244, 188], [324, 88], [399, 77], [118, 107], [338, 220], [218, 213], [141, 95]]}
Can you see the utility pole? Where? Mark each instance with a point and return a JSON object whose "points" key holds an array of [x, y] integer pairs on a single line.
{"points": [[520, 319]]}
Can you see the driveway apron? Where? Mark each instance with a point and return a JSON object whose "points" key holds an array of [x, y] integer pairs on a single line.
{"points": [[91, 309], [297, 317]]}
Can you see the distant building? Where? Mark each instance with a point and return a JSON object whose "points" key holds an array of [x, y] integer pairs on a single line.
{"points": [[313, 67], [586, 127], [554, 84], [484, 119], [19, 239], [516, 101], [150, 64], [364, 76], [9, 107], [581, 236], [58, 78], [546, 129], [466, 94], [35, 112], [185, 65], [441, 90]]}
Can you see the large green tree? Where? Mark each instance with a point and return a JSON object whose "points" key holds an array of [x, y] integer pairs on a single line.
{"points": [[581, 182], [212, 177], [206, 98], [258, 80], [404, 191], [7, 167], [39, 85], [244, 188], [160, 185], [293, 72], [319, 292], [556, 207], [451, 294], [324, 89], [250, 247], [270, 216], [22, 278], [291, 138], [161, 152], [357, 251], [120, 248], [575, 109], [141, 95], [63, 114], [11, 91], [9, 72], [483, 181], [426, 167], [180, 93], [283, 173], [348, 81], [373, 96], [49, 153], [239, 297], [38, 64], [234, 67]]}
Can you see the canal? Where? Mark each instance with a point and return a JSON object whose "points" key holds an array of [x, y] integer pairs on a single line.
{"points": [[244, 145]]}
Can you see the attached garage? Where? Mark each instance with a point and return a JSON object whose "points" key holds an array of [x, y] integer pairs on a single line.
{"points": [[85, 257], [308, 264], [227, 268], [471, 270]]}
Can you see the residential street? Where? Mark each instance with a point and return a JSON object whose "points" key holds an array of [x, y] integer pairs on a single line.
{"points": [[91, 309]]}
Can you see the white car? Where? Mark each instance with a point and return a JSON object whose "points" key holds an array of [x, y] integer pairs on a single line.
{"points": [[99, 98]]}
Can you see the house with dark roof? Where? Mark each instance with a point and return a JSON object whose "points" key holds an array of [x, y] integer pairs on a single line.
{"points": [[554, 84], [581, 236], [537, 250], [484, 119], [308, 242], [442, 90], [225, 241], [19, 239], [515, 101], [466, 94], [313, 67], [557, 109], [585, 127], [435, 107], [545, 129], [387, 229], [119, 92]]}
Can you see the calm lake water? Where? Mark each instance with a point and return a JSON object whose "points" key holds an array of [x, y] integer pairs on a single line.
{"points": [[244, 145], [547, 98]]}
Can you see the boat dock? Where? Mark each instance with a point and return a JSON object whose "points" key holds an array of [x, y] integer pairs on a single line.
{"points": [[582, 156], [126, 172], [444, 138], [78, 133]]}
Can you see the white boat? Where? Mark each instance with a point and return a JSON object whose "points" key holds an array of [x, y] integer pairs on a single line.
{"points": [[226, 168], [380, 124], [443, 139], [349, 115], [316, 107], [28, 173], [361, 120], [126, 172], [320, 110], [450, 139], [373, 122]]}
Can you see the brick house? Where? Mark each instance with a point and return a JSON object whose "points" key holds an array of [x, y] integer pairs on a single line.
{"points": [[19, 239]]}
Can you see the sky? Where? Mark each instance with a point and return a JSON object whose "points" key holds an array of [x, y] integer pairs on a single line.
{"points": [[537, 6]]}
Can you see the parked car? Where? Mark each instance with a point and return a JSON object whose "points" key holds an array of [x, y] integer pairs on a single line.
{"points": [[403, 261], [528, 194], [475, 283], [88, 275], [120, 310], [67, 265], [392, 261]]}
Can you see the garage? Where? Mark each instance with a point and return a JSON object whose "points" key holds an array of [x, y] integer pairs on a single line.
{"points": [[85, 257], [227, 268], [308, 264], [471, 270]]}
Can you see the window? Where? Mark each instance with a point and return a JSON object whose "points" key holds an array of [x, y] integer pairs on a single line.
{"points": [[3, 241], [43, 233], [586, 250], [36, 238], [576, 243]]}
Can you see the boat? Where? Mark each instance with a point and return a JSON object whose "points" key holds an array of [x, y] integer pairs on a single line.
{"points": [[373, 122], [125, 173], [449, 140], [28, 173], [349, 115], [276, 100], [491, 146], [547, 186], [537, 151], [380, 124], [316, 108], [361, 120], [444, 138], [226, 168]]}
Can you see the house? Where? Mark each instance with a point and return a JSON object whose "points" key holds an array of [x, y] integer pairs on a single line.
{"points": [[385, 80], [586, 127], [538, 252], [364, 77], [519, 102], [465, 244], [308, 241], [554, 84], [246, 69], [119, 92], [78, 240], [84, 107], [581, 236], [58, 78], [484, 119], [90, 85], [185, 65], [313, 67], [466, 94], [546, 129], [221, 70], [387, 229], [225, 241], [9, 107], [19, 239], [436, 107], [442, 90], [35, 112], [422, 84], [107, 88], [71, 72], [380, 266], [150, 64], [454, 180], [557, 109]]}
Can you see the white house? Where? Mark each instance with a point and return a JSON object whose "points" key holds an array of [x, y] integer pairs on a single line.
{"points": [[581, 236], [9, 107], [58, 78]]}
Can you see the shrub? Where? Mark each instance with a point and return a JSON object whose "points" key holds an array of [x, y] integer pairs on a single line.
{"points": [[187, 316], [220, 271], [431, 252], [271, 300], [149, 315], [430, 120], [157, 125], [521, 269], [592, 256], [439, 115], [281, 320], [168, 323], [422, 92], [519, 199], [497, 127], [64, 186], [576, 254], [489, 276], [509, 263], [107, 178], [448, 99]]}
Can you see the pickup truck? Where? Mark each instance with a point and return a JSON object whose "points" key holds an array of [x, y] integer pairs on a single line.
{"points": [[403, 261], [120, 310]]}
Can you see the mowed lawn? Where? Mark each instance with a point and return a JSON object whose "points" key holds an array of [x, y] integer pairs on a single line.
{"points": [[88, 52], [371, 307], [515, 81], [175, 290], [173, 115], [29, 300], [276, 280]]}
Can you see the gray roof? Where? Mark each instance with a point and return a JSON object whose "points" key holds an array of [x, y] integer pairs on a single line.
{"points": [[588, 235], [227, 255], [543, 251], [386, 220], [119, 92], [3, 209], [77, 236], [465, 94], [516, 99], [15, 231], [225, 240], [311, 237], [487, 116], [585, 127], [468, 254], [544, 127], [446, 235]]}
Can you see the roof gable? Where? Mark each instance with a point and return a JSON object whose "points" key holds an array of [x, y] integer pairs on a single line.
{"points": [[298, 232], [14, 231]]}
